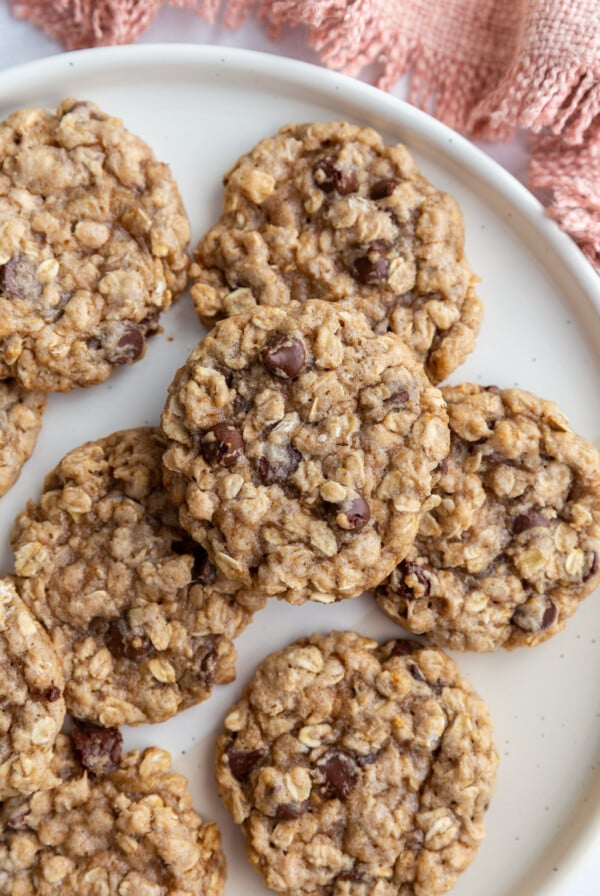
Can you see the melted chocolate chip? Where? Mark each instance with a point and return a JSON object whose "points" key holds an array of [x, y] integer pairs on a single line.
{"points": [[593, 566], [283, 356], [416, 672], [223, 444], [202, 570], [536, 614], [384, 188], [402, 572], [550, 615], [399, 398], [241, 762], [127, 348], [340, 773], [354, 875], [403, 647], [18, 279], [125, 643], [208, 667], [52, 693], [291, 810], [353, 514], [98, 749], [529, 520], [372, 268], [329, 178], [279, 465]]}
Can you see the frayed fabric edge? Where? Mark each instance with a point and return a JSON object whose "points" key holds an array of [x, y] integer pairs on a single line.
{"points": [[570, 177]]}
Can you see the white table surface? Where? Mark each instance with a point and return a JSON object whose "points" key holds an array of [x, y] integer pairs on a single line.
{"points": [[21, 42]]}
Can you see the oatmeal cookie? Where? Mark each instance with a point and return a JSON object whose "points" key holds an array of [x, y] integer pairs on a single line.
{"points": [[514, 544], [328, 211], [32, 707], [356, 768], [142, 620], [132, 831], [20, 423], [302, 447], [93, 238]]}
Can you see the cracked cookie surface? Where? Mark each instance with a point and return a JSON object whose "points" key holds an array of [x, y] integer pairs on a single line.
{"points": [[93, 238], [133, 832], [328, 211], [514, 544], [142, 620], [32, 707], [20, 422], [301, 450], [356, 768]]}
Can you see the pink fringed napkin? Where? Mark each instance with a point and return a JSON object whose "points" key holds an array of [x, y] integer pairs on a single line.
{"points": [[485, 67]]}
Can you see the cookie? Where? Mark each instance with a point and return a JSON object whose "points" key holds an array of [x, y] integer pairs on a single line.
{"points": [[93, 238], [329, 211], [355, 768], [142, 620], [20, 422], [514, 544], [32, 707], [132, 832], [301, 450]]}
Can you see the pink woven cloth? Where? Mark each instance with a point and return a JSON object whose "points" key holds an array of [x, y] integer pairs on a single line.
{"points": [[485, 67]]}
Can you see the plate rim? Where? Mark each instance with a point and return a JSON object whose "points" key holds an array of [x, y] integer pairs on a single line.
{"points": [[438, 135]]}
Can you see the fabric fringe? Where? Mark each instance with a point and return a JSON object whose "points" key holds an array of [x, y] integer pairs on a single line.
{"points": [[484, 67], [570, 175]]}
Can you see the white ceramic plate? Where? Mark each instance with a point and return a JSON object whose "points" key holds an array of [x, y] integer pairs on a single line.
{"points": [[200, 108]]}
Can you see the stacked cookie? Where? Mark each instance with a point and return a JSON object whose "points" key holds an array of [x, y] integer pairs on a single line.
{"points": [[306, 452]]}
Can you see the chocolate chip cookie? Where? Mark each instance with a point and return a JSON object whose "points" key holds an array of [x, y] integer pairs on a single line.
{"points": [[355, 768], [32, 707], [143, 622], [20, 423], [514, 544], [132, 831], [329, 211], [93, 238], [301, 450]]}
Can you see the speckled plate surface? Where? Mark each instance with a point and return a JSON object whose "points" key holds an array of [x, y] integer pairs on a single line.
{"points": [[200, 108]]}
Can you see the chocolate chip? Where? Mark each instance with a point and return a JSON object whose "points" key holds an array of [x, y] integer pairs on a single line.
{"points": [[283, 356], [125, 643], [18, 279], [278, 464], [52, 694], [329, 178], [208, 667], [241, 762], [98, 749], [384, 188], [291, 810], [593, 566], [399, 398], [403, 647], [529, 520], [353, 514], [223, 444], [416, 672], [550, 615], [404, 571], [339, 772], [372, 268], [354, 875], [127, 348], [202, 570], [536, 614]]}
